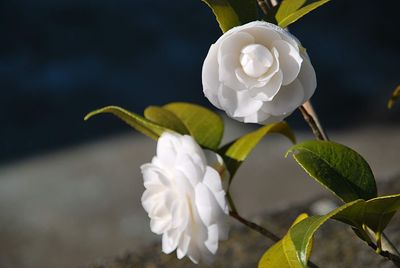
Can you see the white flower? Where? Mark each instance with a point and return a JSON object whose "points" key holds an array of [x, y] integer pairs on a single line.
{"points": [[184, 198], [258, 73]]}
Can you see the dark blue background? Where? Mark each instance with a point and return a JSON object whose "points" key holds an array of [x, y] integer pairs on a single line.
{"points": [[60, 59]]}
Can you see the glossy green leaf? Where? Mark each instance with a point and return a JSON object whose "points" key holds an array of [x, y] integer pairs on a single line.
{"points": [[375, 213], [300, 236], [394, 98], [231, 13], [275, 256], [165, 118], [338, 168], [287, 7], [236, 152], [139, 123], [204, 125], [293, 250], [290, 11], [379, 211]]}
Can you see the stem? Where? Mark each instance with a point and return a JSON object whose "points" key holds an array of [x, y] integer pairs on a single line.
{"points": [[273, 2], [231, 203], [254, 226], [263, 4], [392, 257], [312, 120]]}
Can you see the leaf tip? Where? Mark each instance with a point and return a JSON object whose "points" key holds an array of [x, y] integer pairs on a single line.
{"points": [[98, 111], [291, 150], [90, 115], [299, 218]]}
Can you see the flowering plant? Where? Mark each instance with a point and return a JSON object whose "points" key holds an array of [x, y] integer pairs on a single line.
{"points": [[257, 72]]}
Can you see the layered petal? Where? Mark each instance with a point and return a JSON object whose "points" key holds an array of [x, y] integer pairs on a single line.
{"points": [[238, 103], [269, 91], [209, 76], [286, 101], [307, 78], [289, 59], [259, 65], [184, 197]]}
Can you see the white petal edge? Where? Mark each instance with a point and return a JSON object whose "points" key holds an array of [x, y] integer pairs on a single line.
{"points": [[289, 60], [286, 101], [209, 76], [307, 78]]}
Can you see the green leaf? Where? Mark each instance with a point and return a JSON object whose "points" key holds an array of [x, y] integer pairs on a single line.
{"points": [[235, 152], [338, 168], [231, 13], [375, 213], [275, 256], [379, 212], [165, 118], [204, 125], [139, 123], [287, 7], [300, 236], [293, 249], [290, 11], [394, 98]]}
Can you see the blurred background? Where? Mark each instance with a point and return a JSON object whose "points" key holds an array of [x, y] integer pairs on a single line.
{"points": [[70, 190]]}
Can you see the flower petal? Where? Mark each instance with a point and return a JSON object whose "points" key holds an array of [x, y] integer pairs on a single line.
{"points": [[166, 148], [215, 161], [263, 35], [183, 246], [187, 164], [159, 225], [273, 69], [153, 175], [307, 78], [193, 253], [209, 76], [191, 147], [248, 81], [205, 204], [227, 73], [170, 241], [269, 91], [257, 117], [289, 59], [238, 103], [232, 44], [212, 238], [213, 181], [286, 101], [273, 119]]}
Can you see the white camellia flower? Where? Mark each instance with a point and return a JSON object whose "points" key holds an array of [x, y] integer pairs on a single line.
{"points": [[184, 197], [258, 73]]}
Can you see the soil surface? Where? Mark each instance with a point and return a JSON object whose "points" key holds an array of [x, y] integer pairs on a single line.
{"points": [[335, 244]]}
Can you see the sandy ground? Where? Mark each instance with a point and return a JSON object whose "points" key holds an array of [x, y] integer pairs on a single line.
{"points": [[71, 207]]}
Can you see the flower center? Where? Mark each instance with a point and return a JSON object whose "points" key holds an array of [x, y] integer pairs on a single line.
{"points": [[255, 60]]}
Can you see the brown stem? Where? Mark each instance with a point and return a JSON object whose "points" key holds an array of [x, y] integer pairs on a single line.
{"points": [[230, 202], [263, 5], [311, 121], [255, 226], [390, 256]]}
